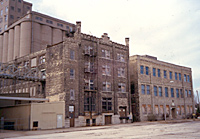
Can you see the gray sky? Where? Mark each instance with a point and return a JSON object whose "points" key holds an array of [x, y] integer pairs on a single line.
{"points": [[167, 29]]}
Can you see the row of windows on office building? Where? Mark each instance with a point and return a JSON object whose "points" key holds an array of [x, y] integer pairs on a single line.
{"points": [[159, 109], [158, 91], [157, 73]]}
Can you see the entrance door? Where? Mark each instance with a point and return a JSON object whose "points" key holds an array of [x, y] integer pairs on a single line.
{"points": [[173, 113], [71, 115], [122, 111], [59, 121], [108, 119]]}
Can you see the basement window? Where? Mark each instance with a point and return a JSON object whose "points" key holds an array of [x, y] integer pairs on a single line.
{"points": [[35, 124]]}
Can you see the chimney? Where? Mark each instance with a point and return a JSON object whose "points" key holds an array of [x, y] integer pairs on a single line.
{"points": [[127, 41], [78, 27]]}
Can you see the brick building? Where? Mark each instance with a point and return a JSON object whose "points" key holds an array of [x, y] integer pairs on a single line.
{"points": [[159, 89], [90, 74]]}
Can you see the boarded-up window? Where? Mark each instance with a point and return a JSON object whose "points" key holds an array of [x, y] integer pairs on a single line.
{"points": [[144, 109], [149, 109], [161, 109], [182, 110], [156, 109], [33, 62]]}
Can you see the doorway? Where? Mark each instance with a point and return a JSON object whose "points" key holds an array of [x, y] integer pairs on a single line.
{"points": [[59, 121], [71, 116], [108, 119], [173, 113]]}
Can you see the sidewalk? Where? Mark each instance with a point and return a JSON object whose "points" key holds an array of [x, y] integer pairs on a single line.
{"points": [[11, 133]]}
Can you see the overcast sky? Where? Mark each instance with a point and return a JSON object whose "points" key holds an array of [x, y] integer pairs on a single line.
{"points": [[167, 29]]}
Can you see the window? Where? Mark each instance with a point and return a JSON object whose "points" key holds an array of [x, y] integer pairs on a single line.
{"points": [[28, 7], [147, 70], [6, 9], [176, 76], [19, 10], [106, 70], [89, 85], [159, 73], [26, 64], [166, 92], [39, 18], [155, 91], [188, 78], [179, 110], [121, 87], [42, 59], [120, 57], [154, 72], [89, 50], [160, 91], [43, 74], [72, 54], [89, 101], [2, 2], [184, 78], [35, 124], [177, 93], [49, 21], [161, 109], [149, 109], [189, 93], [72, 73], [6, 18], [148, 89], [12, 16], [172, 92], [89, 67], [87, 122], [19, 1], [186, 93], [165, 74], [106, 104], [67, 27], [0, 29], [106, 86], [106, 54], [59, 25], [143, 89], [144, 109], [156, 109], [170, 75], [179, 76], [72, 97], [181, 92], [121, 72], [142, 69]]}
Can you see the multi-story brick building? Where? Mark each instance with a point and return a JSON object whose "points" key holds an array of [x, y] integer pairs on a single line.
{"points": [[23, 31], [90, 74], [160, 89]]}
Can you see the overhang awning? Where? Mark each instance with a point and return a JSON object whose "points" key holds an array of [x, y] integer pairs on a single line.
{"points": [[23, 98]]}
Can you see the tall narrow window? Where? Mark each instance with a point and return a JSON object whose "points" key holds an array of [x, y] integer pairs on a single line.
{"points": [[106, 70], [160, 91], [154, 72], [72, 96], [106, 54], [188, 78], [106, 86], [72, 73], [177, 93], [165, 74], [106, 104], [172, 92], [181, 92], [189, 93], [170, 75], [184, 78], [176, 76], [147, 70], [143, 89], [121, 87], [72, 54], [142, 69], [148, 89], [159, 73], [120, 57], [155, 91], [186, 93], [121, 72], [179, 76]]}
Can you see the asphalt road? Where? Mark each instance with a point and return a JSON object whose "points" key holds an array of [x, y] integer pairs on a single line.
{"points": [[143, 130]]}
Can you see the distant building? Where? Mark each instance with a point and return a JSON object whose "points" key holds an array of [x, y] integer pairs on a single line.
{"points": [[23, 31], [159, 88]]}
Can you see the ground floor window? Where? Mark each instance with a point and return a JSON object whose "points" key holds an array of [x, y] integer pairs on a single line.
{"points": [[89, 101], [106, 104]]}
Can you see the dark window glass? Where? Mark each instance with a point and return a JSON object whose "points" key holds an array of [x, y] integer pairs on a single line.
{"points": [[166, 92], [154, 72], [148, 89], [177, 93], [142, 69], [160, 91], [159, 73], [165, 74], [147, 70], [143, 89], [176, 76], [155, 91], [172, 92]]}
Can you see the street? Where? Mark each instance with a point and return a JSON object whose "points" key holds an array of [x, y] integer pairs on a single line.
{"points": [[144, 130]]}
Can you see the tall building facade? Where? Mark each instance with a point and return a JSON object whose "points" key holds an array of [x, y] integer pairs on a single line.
{"points": [[90, 74], [160, 90], [23, 31]]}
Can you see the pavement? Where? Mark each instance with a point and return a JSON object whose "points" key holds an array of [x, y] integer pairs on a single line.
{"points": [[133, 130]]}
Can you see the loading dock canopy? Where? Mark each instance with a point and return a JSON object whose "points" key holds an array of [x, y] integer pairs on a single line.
{"points": [[24, 99]]}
